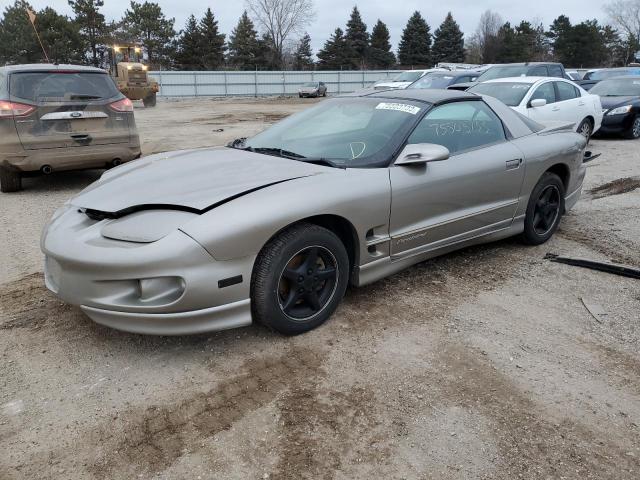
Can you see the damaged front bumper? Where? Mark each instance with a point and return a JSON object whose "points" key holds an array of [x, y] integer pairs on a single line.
{"points": [[172, 286]]}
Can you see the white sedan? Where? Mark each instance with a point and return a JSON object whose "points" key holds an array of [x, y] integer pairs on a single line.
{"points": [[547, 100], [404, 79]]}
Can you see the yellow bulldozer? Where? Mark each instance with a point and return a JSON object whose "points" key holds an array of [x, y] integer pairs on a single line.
{"points": [[130, 74]]}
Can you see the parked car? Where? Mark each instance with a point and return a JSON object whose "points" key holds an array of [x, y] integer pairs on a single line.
{"points": [[404, 79], [61, 117], [620, 97], [531, 69], [313, 89], [592, 77], [547, 100], [274, 228], [444, 79], [574, 75]]}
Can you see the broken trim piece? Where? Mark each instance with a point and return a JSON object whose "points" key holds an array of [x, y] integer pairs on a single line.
{"points": [[99, 215], [614, 268]]}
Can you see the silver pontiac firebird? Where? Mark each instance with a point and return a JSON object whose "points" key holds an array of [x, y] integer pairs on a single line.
{"points": [[273, 228]]}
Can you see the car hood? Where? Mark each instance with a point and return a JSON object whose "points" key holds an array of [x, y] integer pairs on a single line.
{"points": [[611, 102], [192, 180]]}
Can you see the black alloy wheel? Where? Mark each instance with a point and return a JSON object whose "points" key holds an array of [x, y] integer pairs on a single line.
{"points": [[544, 209], [307, 283], [547, 210], [585, 129], [299, 279], [634, 130]]}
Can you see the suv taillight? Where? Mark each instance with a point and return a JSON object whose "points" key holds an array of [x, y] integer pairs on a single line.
{"points": [[123, 105], [14, 109]]}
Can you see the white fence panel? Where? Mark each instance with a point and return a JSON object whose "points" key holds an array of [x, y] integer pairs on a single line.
{"points": [[260, 83]]}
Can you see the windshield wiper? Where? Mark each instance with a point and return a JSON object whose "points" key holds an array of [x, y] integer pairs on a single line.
{"points": [[278, 152]]}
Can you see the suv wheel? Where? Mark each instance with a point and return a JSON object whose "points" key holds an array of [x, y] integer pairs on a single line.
{"points": [[634, 130], [149, 101], [10, 180], [299, 279]]}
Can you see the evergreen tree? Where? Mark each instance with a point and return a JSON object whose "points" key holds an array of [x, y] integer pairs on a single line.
{"points": [[415, 44], [93, 27], [212, 44], [147, 24], [448, 42], [380, 54], [189, 54], [60, 36], [333, 55], [243, 44], [303, 56], [508, 50], [357, 39], [267, 57], [18, 43]]}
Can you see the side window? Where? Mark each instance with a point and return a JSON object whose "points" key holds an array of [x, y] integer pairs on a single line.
{"points": [[545, 91], [539, 71], [566, 91], [459, 126], [555, 71]]}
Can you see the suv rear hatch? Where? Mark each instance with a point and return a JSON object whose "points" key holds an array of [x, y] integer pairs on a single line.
{"points": [[73, 109]]}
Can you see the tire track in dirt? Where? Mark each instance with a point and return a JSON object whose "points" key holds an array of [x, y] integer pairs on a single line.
{"points": [[531, 443]]}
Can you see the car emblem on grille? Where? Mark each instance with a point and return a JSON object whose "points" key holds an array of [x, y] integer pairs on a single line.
{"points": [[76, 114]]}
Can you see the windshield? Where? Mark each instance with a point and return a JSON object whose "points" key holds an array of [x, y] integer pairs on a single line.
{"points": [[310, 84], [342, 132], [509, 93], [408, 76], [61, 86], [619, 87], [603, 74], [433, 80], [504, 72]]}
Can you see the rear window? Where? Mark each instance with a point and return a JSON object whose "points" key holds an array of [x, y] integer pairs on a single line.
{"points": [[509, 93], [433, 81], [42, 87]]}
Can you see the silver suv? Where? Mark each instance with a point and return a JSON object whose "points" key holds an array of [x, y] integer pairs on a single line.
{"points": [[61, 117]]}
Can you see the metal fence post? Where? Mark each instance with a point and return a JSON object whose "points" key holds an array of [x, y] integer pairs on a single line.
{"points": [[284, 80], [340, 80], [161, 80], [225, 84], [255, 82], [362, 78], [195, 85]]}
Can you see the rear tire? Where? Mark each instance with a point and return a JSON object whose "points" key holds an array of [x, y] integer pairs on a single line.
{"points": [[299, 279], [585, 129], [149, 101], [544, 210], [10, 180], [633, 132]]}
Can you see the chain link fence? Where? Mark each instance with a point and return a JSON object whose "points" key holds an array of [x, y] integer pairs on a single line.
{"points": [[262, 83]]}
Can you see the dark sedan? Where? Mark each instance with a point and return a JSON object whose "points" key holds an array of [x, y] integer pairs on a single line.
{"points": [[444, 79], [620, 98], [593, 78]]}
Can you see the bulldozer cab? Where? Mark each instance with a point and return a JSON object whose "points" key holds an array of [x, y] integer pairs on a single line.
{"points": [[130, 74]]}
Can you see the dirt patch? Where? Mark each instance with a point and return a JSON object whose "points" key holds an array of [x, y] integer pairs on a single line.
{"points": [[616, 187], [227, 118], [532, 443]]}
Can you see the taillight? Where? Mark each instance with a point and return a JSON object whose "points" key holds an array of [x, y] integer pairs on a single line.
{"points": [[14, 109], [123, 105]]}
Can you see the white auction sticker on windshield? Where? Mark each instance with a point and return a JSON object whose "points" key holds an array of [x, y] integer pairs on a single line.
{"points": [[399, 107]]}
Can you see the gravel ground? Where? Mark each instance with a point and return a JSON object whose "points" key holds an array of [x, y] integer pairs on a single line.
{"points": [[479, 364]]}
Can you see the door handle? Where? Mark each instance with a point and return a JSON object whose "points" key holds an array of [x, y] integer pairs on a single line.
{"points": [[581, 104], [513, 164], [555, 109]]}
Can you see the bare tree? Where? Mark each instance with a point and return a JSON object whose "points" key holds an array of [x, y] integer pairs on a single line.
{"points": [[281, 18], [486, 36], [625, 14]]}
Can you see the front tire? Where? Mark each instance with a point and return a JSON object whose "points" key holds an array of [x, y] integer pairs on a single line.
{"points": [[634, 131], [544, 210], [299, 279], [10, 180], [150, 101]]}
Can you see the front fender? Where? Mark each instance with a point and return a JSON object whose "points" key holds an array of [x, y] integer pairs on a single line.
{"points": [[243, 226]]}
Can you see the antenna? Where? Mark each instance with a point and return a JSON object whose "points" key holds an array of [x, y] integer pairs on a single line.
{"points": [[32, 19]]}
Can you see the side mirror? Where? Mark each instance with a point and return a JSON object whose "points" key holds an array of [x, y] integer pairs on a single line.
{"points": [[538, 102], [421, 153]]}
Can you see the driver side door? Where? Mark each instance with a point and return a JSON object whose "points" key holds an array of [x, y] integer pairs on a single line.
{"points": [[474, 192]]}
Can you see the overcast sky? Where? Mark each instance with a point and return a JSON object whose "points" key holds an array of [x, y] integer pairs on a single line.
{"points": [[335, 13]]}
